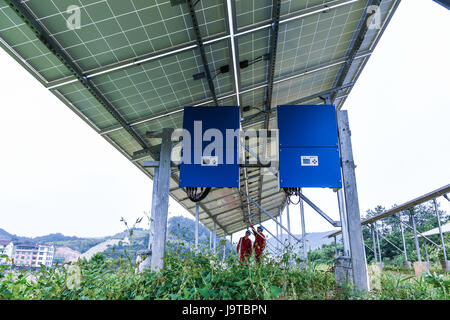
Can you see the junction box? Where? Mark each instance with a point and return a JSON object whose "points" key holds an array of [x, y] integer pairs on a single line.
{"points": [[212, 148], [308, 147]]}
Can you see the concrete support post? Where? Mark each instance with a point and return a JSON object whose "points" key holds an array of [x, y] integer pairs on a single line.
{"points": [[196, 224], [148, 260], [162, 201], [357, 251], [344, 225], [302, 218], [152, 211], [416, 240], [440, 229], [214, 238], [289, 223]]}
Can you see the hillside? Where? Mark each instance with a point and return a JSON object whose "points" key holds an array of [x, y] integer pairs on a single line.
{"points": [[314, 240]]}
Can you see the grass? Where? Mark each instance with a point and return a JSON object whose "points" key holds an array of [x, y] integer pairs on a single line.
{"points": [[204, 276]]}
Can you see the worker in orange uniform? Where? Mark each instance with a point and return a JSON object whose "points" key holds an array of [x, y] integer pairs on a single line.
{"points": [[260, 242], [245, 246]]}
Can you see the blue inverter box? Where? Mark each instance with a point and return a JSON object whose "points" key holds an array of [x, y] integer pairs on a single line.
{"points": [[210, 158], [308, 147]]}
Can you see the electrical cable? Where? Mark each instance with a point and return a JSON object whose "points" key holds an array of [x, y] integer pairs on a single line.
{"points": [[292, 192], [196, 194]]}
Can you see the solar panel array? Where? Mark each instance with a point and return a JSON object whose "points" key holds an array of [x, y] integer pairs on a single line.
{"points": [[141, 56]]}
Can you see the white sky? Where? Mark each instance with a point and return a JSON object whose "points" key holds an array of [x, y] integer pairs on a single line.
{"points": [[58, 175]]}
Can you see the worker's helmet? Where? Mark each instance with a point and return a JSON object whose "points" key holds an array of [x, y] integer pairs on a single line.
{"points": [[248, 231], [261, 228]]}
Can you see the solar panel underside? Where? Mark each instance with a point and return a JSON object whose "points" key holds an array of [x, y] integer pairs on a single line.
{"points": [[142, 55]]}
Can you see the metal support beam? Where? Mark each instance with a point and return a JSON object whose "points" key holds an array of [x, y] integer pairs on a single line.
{"points": [[390, 242], [289, 223], [403, 241], [202, 50], [426, 252], [374, 242], [440, 228], [269, 215], [214, 238], [335, 248], [281, 223], [358, 258], [354, 47], [319, 211], [162, 202], [416, 240], [378, 243], [302, 219], [196, 225]]}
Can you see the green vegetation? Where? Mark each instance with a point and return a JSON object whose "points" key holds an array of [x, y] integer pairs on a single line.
{"points": [[188, 275]]}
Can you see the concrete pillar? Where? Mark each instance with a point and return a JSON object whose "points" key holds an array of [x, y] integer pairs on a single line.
{"points": [[357, 251], [344, 225], [196, 224], [302, 218], [162, 201], [152, 211], [148, 260], [342, 269]]}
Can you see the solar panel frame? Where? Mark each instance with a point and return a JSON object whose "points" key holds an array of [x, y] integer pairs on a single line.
{"points": [[55, 75]]}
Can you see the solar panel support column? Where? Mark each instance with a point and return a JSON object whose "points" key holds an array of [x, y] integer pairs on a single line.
{"points": [[302, 218], [278, 235], [289, 223], [357, 250], [162, 201], [426, 252], [214, 238], [374, 244], [196, 225], [440, 229], [406, 263], [335, 247], [281, 223], [380, 259], [416, 240]]}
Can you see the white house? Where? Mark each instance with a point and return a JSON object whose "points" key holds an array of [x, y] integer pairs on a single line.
{"points": [[6, 248]]}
